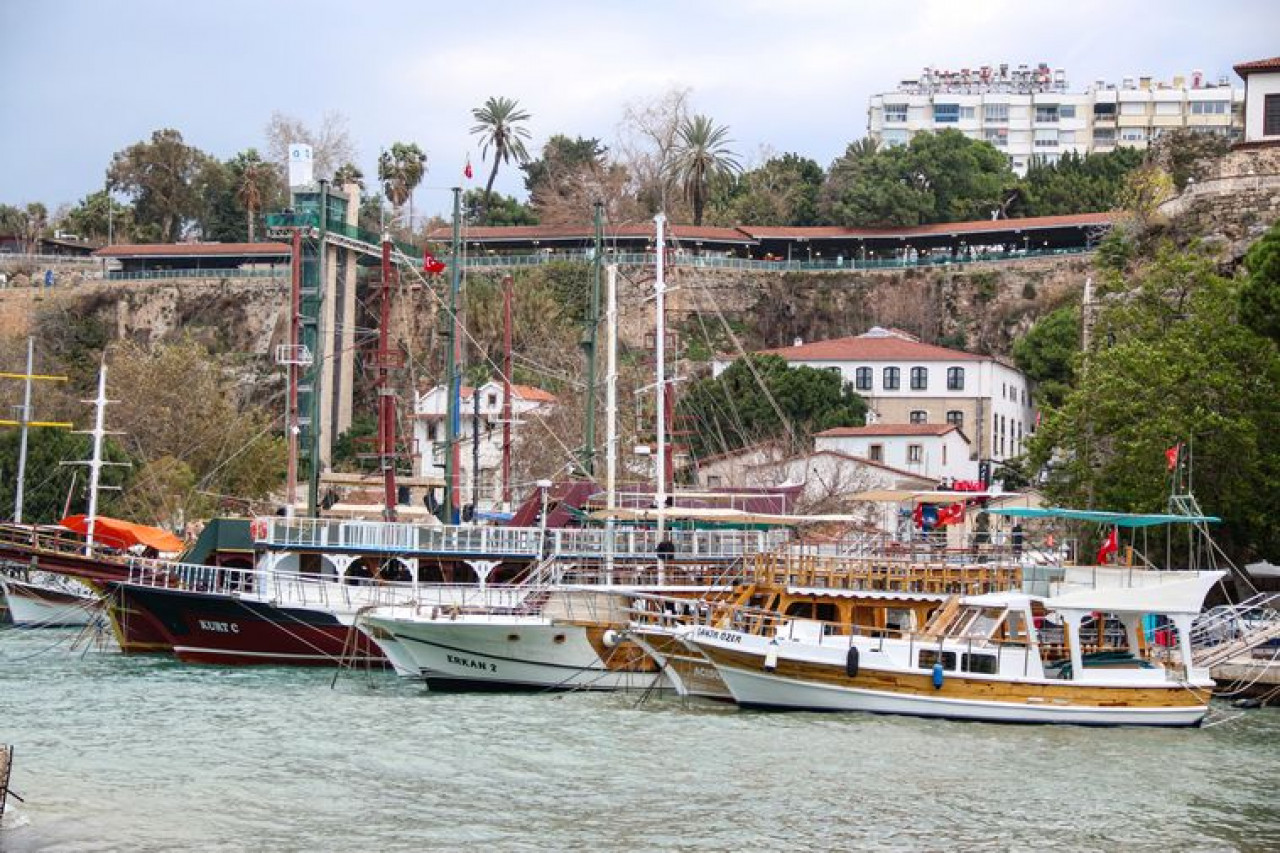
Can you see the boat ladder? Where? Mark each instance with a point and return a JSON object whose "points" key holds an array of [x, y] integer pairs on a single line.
{"points": [[1228, 632]]}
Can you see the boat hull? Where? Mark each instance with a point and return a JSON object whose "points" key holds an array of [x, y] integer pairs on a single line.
{"points": [[225, 629], [684, 665], [35, 605], [520, 654], [808, 685]]}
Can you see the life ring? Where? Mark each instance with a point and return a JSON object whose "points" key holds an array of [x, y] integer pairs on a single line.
{"points": [[258, 529]]}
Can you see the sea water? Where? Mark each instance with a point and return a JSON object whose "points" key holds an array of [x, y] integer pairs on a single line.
{"points": [[148, 754]]}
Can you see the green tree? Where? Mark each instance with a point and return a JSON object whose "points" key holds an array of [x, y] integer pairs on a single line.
{"points": [[702, 155], [53, 488], [348, 173], [562, 159], [256, 185], [783, 191], [760, 397], [161, 177], [499, 124], [1047, 354], [98, 216], [401, 170], [1260, 291], [1075, 184], [498, 210], [1186, 154], [1170, 363]]}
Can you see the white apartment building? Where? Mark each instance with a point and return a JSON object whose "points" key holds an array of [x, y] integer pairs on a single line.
{"points": [[1030, 113], [905, 381], [429, 432], [1262, 100]]}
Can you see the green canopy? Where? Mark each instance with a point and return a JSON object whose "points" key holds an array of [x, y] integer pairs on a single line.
{"points": [[1119, 519]]}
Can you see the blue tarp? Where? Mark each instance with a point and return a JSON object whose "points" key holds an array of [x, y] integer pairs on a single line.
{"points": [[1119, 519]]}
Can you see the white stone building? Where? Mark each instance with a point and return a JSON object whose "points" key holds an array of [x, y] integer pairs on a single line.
{"points": [[1261, 101], [1030, 112], [905, 381], [429, 432], [933, 452]]}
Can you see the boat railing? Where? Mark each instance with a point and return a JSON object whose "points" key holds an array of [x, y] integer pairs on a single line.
{"points": [[627, 544], [937, 572]]}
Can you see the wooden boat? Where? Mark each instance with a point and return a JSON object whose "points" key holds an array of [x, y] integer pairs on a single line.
{"points": [[46, 600], [992, 657]]}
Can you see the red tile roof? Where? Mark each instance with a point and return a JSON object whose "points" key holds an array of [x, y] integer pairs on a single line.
{"points": [[586, 233], [1244, 69], [864, 348], [192, 250], [888, 430]]}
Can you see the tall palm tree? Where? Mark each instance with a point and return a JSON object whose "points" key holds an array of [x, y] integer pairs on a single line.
{"points": [[498, 126], [252, 185], [702, 153], [348, 173], [401, 170]]}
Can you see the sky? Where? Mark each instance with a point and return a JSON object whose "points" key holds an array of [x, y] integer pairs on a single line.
{"points": [[83, 79]]}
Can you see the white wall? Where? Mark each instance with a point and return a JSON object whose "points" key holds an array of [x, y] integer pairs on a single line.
{"points": [[1257, 88]]}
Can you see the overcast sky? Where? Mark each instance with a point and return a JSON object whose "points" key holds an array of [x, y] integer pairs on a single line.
{"points": [[86, 78]]}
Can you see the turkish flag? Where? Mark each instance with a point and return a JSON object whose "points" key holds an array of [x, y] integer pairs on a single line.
{"points": [[952, 514], [1171, 456], [431, 265], [467, 169], [1110, 545]]}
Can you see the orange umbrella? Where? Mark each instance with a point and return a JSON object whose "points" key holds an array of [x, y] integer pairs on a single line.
{"points": [[123, 534]]}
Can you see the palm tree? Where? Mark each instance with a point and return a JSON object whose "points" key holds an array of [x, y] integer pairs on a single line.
{"points": [[498, 127], [252, 185], [348, 173], [702, 153], [401, 170]]}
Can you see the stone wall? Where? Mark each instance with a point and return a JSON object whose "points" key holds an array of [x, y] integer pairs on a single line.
{"points": [[1231, 206]]}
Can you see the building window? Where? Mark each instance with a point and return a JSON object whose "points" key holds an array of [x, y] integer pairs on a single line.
{"points": [[1104, 111], [955, 417], [919, 378], [1133, 134], [997, 136], [1133, 108], [491, 401], [895, 137], [915, 453], [1046, 138], [862, 379], [713, 481], [919, 416], [1208, 108], [1104, 136], [955, 378], [876, 453], [895, 113], [966, 112], [1271, 115], [946, 113], [1048, 113], [995, 112], [1067, 111], [892, 379]]}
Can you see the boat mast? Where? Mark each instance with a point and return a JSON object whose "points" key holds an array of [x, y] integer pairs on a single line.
{"points": [[660, 304], [590, 343], [386, 394], [453, 416], [96, 462], [506, 393], [611, 419], [24, 421]]}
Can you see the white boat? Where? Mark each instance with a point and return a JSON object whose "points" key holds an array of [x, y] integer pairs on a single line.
{"points": [[989, 657], [46, 600], [555, 639]]}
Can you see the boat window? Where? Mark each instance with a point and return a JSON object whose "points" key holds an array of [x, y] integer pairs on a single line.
{"points": [[985, 664], [827, 612], [803, 609], [1015, 630], [899, 619], [928, 657], [982, 622]]}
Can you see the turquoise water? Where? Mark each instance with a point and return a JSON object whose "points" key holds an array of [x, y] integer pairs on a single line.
{"points": [[145, 754]]}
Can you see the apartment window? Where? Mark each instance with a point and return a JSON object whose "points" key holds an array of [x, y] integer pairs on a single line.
{"points": [[1133, 134], [1133, 108], [955, 417], [1104, 136], [1208, 108], [1047, 114], [966, 112], [1046, 137], [876, 453], [1067, 111], [892, 379], [915, 453], [895, 113], [997, 136], [1168, 108], [862, 379], [1104, 111], [919, 378], [1271, 115], [955, 378], [895, 137], [995, 112], [946, 113], [919, 416]]}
